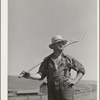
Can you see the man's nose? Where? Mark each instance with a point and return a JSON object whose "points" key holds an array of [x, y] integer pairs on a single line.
{"points": [[61, 44]]}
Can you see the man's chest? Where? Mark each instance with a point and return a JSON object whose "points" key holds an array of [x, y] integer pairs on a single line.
{"points": [[57, 65]]}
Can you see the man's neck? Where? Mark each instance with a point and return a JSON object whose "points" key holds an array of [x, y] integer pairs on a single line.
{"points": [[56, 54]]}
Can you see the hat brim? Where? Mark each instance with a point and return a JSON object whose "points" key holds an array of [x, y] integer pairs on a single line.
{"points": [[52, 45]]}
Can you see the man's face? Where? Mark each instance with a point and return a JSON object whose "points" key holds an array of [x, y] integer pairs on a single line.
{"points": [[59, 46]]}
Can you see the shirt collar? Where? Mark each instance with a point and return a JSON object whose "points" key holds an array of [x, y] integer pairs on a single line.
{"points": [[63, 55]]}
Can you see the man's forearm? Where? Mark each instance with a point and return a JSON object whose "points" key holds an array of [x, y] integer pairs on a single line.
{"points": [[78, 77], [35, 77]]}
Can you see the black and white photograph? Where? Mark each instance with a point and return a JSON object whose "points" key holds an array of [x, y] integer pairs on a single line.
{"points": [[52, 50]]}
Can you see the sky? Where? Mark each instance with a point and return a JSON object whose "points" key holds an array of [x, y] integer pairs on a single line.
{"points": [[32, 24]]}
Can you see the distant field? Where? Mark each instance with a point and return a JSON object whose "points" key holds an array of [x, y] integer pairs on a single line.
{"points": [[84, 90], [91, 96]]}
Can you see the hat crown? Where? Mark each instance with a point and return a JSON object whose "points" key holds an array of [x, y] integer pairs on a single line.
{"points": [[55, 38]]}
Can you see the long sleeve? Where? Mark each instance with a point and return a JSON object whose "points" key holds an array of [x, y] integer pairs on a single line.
{"points": [[77, 66], [43, 69]]}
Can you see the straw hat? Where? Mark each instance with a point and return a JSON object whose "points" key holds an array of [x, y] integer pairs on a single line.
{"points": [[56, 39]]}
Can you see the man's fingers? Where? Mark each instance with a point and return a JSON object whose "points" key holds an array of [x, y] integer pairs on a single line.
{"points": [[69, 83], [21, 74], [26, 74]]}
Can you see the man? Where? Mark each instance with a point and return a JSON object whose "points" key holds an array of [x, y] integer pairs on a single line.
{"points": [[56, 67]]}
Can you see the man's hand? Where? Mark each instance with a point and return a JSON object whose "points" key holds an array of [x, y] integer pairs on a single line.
{"points": [[70, 82], [26, 74]]}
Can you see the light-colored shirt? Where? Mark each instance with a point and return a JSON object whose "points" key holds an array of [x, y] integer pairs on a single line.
{"points": [[56, 61]]}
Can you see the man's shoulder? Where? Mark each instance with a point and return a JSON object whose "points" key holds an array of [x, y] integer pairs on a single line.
{"points": [[68, 56], [47, 58]]}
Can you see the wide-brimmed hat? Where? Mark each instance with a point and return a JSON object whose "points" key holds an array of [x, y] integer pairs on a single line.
{"points": [[56, 39]]}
